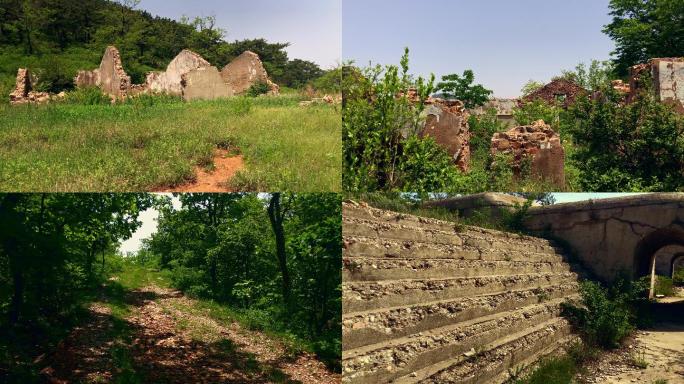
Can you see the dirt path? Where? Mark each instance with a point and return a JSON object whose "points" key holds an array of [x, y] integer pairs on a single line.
{"points": [[225, 167], [172, 340], [660, 348]]}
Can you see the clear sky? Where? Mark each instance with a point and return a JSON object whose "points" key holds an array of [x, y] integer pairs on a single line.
{"points": [[506, 43], [148, 227], [312, 26]]}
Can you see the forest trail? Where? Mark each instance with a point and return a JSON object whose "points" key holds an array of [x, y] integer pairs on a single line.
{"points": [[161, 336]]}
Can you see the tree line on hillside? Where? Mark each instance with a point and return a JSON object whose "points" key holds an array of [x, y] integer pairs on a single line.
{"points": [[278, 258], [66, 34]]}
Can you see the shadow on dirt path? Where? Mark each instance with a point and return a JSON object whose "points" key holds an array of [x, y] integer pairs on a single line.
{"points": [[166, 341]]}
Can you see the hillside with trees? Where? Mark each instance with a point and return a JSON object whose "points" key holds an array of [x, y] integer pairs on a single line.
{"points": [[56, 38]]}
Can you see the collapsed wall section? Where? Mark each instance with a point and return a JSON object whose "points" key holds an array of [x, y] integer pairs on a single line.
{"points": [[536, 143], [169, 81], [447, 123], [245, 71], [426, 301]]}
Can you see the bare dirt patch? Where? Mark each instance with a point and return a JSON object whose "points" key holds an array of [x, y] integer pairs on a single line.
{"points": [[226, 165]]}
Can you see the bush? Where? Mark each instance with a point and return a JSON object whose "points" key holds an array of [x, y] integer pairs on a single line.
{"points": [[257, 89], [606, 316], [678, 277], [664, 286], [633, 147]]}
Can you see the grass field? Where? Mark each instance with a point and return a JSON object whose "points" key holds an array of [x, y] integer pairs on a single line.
{"points": [[149, 144]]}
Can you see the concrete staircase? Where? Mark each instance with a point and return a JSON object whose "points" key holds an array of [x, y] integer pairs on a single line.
{"points": [[428, 301]]}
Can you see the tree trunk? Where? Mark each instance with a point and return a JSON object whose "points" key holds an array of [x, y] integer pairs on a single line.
{"points": [[275, 214]]}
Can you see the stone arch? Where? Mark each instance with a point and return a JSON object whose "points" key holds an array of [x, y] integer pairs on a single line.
{"points": [[645, 252]]}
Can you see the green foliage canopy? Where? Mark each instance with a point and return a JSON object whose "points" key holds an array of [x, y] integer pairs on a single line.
{"points": [[462, 88]]}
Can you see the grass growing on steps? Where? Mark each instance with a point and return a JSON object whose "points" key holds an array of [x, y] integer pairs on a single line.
{"points": [[152, 143]]}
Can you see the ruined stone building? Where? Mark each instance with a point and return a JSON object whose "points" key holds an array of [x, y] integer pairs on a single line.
{"points": [[559, 91], [187, 75], [539, 145], [23, 92], [504, 110], [447, 123], [667, 76]]}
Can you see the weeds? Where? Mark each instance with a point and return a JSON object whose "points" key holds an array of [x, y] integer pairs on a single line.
{"points": [[638, 359]]}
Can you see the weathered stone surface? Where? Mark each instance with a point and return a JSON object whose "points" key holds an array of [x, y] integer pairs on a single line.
{"points": [[23, 90], [537, 142], [504, 110], [668, 75], [467, 205], [245, 71], [559, 91], [169, 82], [447, 123], [113, 79], [618, 235], [204, 83], [420, 295]]}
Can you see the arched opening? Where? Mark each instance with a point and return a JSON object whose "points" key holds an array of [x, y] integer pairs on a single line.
{"points": [[677, 263], [657, 243]]}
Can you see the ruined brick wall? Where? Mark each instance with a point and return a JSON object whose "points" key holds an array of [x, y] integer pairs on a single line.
{"points": [[538, 143], [23, 92], [245, 71], [559, 91], [429, 301], [169, 82], [668, 76], [447, 123]]}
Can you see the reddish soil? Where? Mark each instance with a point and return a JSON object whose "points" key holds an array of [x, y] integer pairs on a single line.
{"points": [[225, 167]]}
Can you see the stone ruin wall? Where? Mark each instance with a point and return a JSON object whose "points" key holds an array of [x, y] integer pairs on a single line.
{"points": [[246, 70], [23, 92], [537, 143], [187, 75], [447, 123], [427, 301], [667, 75]]}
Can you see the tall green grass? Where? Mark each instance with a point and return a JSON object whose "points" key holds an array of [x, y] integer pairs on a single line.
{"points": [[151, 143]]}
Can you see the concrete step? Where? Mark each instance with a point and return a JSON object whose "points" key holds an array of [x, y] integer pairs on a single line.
{"points": [[354, 246], [363, 296], [445, 233], [492, 363], [377, 269], [375, 326], [400, 357]]}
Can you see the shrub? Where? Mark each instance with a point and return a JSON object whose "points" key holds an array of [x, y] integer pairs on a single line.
{"points": [[664, 286], [678, 277], [633, 147], [606, 316], [257, 89]]}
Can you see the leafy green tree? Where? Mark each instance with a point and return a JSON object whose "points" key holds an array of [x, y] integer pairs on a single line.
{"points": [[530, 87], [595, 77], [633, 147], [645, 29], [298, 73], [462, 88]]}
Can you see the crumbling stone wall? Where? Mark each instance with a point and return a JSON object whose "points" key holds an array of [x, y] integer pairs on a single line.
{"points": [[246, 70], [169, 82], [504, 110], [23, 92], [559, 91], [538, 143], [204, 83], [447, 123], [187, 69]]}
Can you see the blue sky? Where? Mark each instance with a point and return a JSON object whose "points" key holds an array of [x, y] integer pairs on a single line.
{"points": [[312, 26], [506, 43]]}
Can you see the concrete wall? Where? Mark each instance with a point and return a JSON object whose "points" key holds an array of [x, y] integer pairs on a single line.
{"points": [[204, 84], [614, 236], [668, 75], [429, 301]]}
